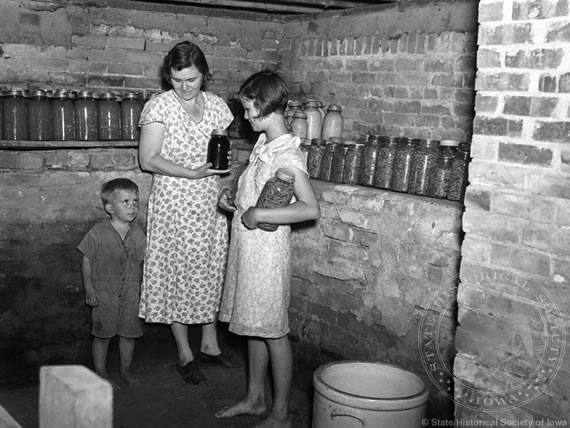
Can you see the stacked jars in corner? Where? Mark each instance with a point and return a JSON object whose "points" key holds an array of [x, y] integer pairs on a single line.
{"points": [[441, 172]]}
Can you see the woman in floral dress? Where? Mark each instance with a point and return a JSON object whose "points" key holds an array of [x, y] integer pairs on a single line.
{"points": [[186, 233]]}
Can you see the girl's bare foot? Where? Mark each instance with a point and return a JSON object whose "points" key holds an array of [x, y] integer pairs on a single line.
{"points": [[274, 422], [128, 378], [244, 407]]}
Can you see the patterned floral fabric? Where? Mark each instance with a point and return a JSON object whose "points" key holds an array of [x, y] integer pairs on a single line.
{"points": [[258, 279], [187, 235]]}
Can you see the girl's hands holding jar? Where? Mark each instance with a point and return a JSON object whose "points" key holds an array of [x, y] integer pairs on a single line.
{"points": [[249, 218], [226, 201]]}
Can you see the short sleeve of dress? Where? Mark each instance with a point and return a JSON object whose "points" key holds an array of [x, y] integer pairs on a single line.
{"points": [[88, 245], [153, 111], [222, 113], [292, 157]]}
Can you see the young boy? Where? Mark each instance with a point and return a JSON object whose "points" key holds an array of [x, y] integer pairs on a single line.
{"points": [[113, 253]]}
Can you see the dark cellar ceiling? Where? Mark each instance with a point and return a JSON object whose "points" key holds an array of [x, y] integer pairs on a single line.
{"points": [[273, 8]]}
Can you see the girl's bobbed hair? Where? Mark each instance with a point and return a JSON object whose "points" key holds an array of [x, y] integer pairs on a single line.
{"points": [[183, 55], [267, 90]]}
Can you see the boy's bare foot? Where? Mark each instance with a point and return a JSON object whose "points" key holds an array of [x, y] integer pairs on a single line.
{"points": [[243, 407], [273, 422], [128, 378]]}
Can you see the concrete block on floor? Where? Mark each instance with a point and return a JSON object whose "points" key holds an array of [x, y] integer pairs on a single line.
{"points": [[73, 396], [7, 421]]}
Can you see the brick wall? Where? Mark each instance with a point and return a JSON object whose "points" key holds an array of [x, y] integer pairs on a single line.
{"points": [[364, 276], [513, 297], [393, 72], [101, 48]]}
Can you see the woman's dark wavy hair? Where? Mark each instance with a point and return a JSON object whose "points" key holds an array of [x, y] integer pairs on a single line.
{"points": [[267, 90], [183, 55]]}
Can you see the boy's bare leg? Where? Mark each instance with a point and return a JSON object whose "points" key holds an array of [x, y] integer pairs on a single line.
{"points": [[254, 401], [99, 349], [282, 370], [126, 351]]}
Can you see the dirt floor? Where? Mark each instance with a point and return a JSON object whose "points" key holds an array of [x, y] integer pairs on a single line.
{"points": [[163, 400]]}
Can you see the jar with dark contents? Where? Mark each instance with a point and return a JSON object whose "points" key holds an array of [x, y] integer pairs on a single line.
{"points": [[86, 117], [1, 111], [339, 162], [130, 113], [15, 116], [385, 161], [326, 161], [439, 179], [314, 156], [368, 160], [218, 150], [63, 115], [423, 160], [458, 178], [352, 163], [39, 117], [277, 192], [448, 147], [109, 117], [402, 165]]}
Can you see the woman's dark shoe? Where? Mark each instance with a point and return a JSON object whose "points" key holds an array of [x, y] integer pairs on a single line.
{"points": [[221, 360], [191, 372]]}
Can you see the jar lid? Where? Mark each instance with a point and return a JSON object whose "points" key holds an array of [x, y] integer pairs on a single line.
{"points": [[334, 107], [85, 94], [311, 103], [294, 103], [285, 174], [318, 141], [39, 93], [14, 92], [108, 96], [449, 143], [131, 96], [300, 114], [61, 93]]}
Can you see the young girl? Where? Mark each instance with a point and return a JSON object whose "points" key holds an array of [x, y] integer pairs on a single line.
{"points": [[257, 288]]}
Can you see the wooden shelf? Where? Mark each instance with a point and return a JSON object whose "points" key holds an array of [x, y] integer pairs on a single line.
{"points": [[56, 145], [62, 145]]}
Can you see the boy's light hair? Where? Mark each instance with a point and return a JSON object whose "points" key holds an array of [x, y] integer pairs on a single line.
{"points": [[116, 185]]}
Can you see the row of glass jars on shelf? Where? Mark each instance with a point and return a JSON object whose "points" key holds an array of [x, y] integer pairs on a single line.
{"points": [[417, 166], [309, 120], [69, 115]]}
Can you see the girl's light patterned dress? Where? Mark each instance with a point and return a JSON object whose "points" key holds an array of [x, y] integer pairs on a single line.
{"points": [[258, 279], [186, 232]]}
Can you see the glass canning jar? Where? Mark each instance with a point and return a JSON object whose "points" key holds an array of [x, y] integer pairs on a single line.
{"points": [[339, 162], [448, 147], [63, 115], [39, 117], [314, 119], [293, 106], [218, 150], [86, 117], [384, 162], [299, 125], [402, 166], [109, 117], [333, 123], [458, 178], [326, 162], [368, 159], [439, 178], [277, 192], [314, 156], [423, 160], [15, 116], [352, 163], [130, 113]]}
